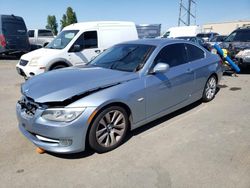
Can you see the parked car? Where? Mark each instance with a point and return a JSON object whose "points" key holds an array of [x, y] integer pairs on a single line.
{"points": [[182, 31], [217, 39], [238, 41], [40, 37], [13, 35], [123, 88], [76, 44], [207, 36], [196, 40], [243, 58]]}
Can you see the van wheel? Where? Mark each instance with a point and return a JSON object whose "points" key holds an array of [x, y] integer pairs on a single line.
{"points": [[58, 66], [109, 129]]}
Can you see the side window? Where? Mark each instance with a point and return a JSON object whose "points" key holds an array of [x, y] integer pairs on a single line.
{"points": [[87, 40], [90, 39], [194, 53], [173, 55], [31, 33]]}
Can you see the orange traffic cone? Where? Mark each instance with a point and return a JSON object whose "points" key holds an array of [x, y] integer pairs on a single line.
{"points": [[40, 150]]}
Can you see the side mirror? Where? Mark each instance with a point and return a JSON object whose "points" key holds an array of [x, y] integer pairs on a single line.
{"points": [[160, 68], [76, 48]]}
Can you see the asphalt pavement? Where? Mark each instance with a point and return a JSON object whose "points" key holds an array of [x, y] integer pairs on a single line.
{"points": [[202, 145]]}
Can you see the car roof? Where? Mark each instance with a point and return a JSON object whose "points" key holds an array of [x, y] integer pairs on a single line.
{"points": [[243, 29], [154, 42], [85, 25]]}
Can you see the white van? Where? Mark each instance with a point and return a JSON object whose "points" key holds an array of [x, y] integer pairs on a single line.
{"points": [[76, 44], [182, 31]]}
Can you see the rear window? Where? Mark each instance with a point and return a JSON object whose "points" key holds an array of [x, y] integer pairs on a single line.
{"points": [[194, 53], [14, 27], [202, 35], [45, 33]]}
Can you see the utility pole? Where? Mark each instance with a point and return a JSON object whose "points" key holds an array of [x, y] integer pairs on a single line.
{"points": [[187, 11]]}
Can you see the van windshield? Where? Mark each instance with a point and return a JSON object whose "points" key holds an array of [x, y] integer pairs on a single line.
{"points": [[14, 27], [62, 40]]}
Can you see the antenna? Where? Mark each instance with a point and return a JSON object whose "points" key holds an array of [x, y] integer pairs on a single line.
{"points": [[187, 12]]}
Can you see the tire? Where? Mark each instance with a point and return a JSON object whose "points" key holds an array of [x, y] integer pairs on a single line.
{"points": [[58, 66], [210, 89], [109, 129]]}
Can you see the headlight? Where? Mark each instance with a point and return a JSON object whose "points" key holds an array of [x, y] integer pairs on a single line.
{"points": [[62, 114], [33, 61]]}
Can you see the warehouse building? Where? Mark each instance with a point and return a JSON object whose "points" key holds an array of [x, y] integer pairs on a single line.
{"points": [[225, 28]]}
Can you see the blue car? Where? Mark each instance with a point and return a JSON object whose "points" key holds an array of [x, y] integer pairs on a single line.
{"points": [[125, 87]]}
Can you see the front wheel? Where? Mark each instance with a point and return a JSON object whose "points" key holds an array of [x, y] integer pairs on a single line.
{"points": [[59, 66], [108, 129], [210, 89]]}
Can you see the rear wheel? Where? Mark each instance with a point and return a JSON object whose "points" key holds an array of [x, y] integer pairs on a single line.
{"points": [[210, 89], [108, 129]]}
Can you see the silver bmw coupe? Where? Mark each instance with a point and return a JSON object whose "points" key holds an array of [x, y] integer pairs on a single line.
{"points": [[126, 86]]}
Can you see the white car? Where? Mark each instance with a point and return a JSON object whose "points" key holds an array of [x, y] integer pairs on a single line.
{"points": [[76, 44], [243, 57]]}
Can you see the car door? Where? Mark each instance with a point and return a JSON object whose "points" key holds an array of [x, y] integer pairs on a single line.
{"points": [[196, 58], [88, 48], [167, 90]]}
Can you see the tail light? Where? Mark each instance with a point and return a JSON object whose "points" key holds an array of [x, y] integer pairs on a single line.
{"points": [[2, 40]]}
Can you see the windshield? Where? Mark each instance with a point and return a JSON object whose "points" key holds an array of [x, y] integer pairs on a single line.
{"points": [[124, 57], [239, 36], [62, 40]]}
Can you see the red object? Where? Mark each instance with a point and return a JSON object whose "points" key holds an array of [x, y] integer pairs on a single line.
{"points": [[2, 41], [221, 62]]}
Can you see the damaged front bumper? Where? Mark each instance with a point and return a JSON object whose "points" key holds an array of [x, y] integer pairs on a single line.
{"points": [[58, 137]]}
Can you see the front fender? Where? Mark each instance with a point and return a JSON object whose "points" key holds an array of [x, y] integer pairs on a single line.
{"points": [[131, 93], [56, 60]]}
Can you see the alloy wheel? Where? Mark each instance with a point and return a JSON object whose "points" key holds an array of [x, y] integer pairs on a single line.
{"points": [[110, 128], [211, 88]]}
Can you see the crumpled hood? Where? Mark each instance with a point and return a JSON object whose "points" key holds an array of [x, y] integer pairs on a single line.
{"points": [[40, 53], [60, 85]]}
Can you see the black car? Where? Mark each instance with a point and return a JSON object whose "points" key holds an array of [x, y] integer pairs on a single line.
{"points": [[237, 41], [13, 35]]}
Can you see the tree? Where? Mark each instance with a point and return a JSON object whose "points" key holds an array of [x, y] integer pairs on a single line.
{"points": [[63, 21], [52, 24], [68, 18], [71, 16]]}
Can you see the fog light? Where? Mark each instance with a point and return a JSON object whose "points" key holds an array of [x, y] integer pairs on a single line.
{"points": [[65, 142]]}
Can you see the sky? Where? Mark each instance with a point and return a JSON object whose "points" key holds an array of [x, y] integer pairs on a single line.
{"points": [[163, 12]]}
